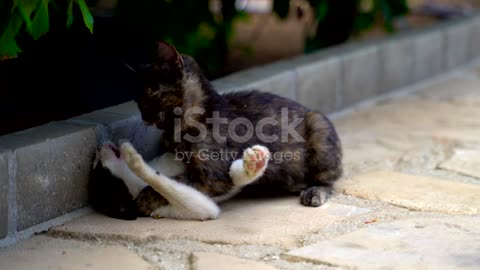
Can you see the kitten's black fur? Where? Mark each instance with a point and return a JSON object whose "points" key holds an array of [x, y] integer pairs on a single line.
{"points": [[109, 195], [172, 82]]}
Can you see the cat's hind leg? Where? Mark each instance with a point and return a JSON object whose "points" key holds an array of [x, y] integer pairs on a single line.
{"points": [[185, 202], [324, 160], [251, 167]]}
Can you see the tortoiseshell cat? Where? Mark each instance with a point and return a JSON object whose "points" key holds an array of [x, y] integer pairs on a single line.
{"points": [[284, 144]]}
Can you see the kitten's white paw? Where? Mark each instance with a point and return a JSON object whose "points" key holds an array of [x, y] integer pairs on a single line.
{"points": [[255, 160], [108, 154], [108, 151], [131, 156]]}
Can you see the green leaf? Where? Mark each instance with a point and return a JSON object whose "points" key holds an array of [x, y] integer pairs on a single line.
{"points": [[321, 10], [69, 13], [386, 15], [8, 45], [87, 16], [242, 16], [28, 5], [398, 7], [9, 48], [26, 17], [40, 23], [25, 8], [364, 21], [391, 9]]}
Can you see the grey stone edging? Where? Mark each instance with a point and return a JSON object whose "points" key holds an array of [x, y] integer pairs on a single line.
{"points": [[44, 170]]}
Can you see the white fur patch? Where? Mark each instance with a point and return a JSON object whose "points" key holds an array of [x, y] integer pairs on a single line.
{"points": [[240, 174], [167, 165], [185, 201]]}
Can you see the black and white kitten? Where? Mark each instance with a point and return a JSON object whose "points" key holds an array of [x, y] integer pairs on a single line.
{"points": [[145, 184], [302, 145]]}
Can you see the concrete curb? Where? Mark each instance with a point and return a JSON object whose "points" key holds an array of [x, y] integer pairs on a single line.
{"points": [[44, 170]]}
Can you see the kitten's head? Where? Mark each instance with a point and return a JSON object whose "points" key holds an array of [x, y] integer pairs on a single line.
{"points": [[169, 81]]}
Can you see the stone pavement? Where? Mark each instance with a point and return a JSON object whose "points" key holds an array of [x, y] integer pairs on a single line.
{"points": [[410, 199]]}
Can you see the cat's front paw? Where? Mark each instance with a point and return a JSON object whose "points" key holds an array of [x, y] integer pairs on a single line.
{"points": [[131, 156], [314, 196], [255, 160]]}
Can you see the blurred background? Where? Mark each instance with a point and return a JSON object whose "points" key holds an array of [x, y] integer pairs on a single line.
{"points": [[63, 58]]}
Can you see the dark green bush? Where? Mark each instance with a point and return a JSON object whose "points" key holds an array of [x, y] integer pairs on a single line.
{"points": [[190, 24]]}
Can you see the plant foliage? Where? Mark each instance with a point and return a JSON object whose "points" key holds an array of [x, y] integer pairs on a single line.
{"points": [[337, 20], [191, 25], [33, 16]]}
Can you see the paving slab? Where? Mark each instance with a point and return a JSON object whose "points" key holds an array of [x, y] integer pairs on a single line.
{"points": [[457, 44], [215, 261], [319, 84], [51, 168], [280, 222], [427, 50], [425, 115], [379, 149], [360, 71], [464, 161], [463, 135], [360, 157], [276, 78], [414, 192], [411, 120], [396, 64], [4, 188], [48, 253], [123, 122], [407, 244], [453, 88], [474, 48], [282, 84]]}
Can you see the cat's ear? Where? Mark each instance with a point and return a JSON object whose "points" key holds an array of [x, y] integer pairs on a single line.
{"points": [[168, 59]]}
